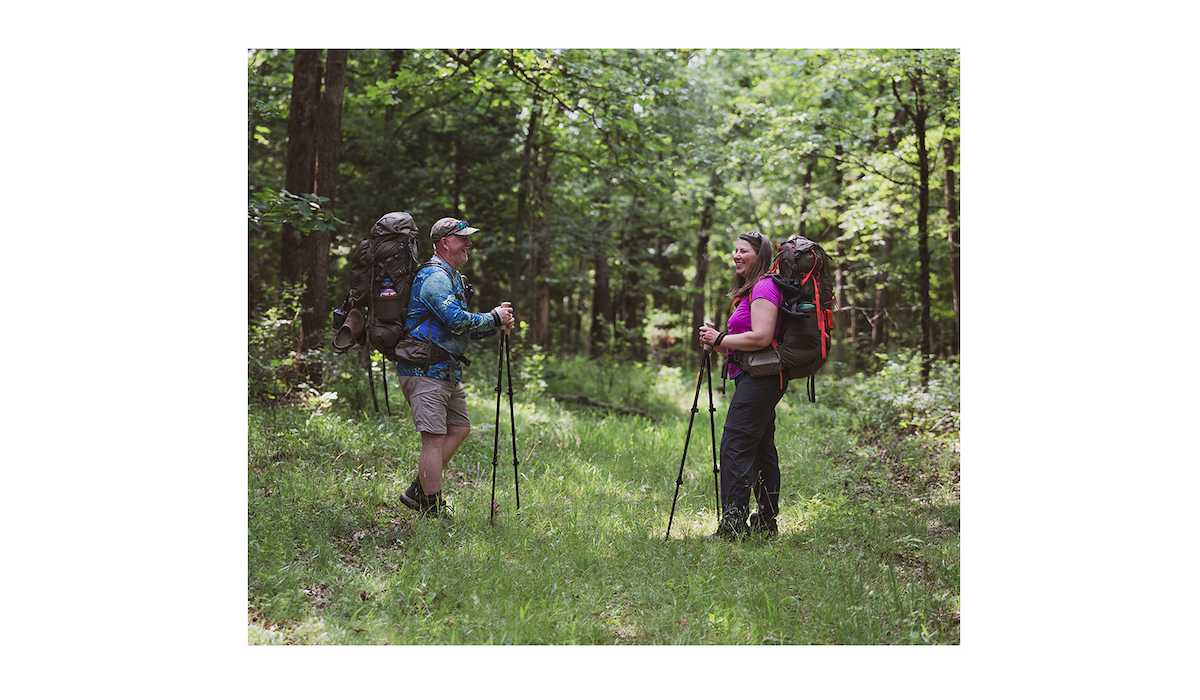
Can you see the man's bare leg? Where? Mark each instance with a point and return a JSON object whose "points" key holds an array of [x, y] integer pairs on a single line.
{"points": [[436, 451]]}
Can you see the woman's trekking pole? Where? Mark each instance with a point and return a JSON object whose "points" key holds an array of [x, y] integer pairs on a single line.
{"points": [[512, 421], [712, 428], [686, 441]]}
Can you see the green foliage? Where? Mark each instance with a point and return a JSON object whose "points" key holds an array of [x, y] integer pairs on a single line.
{"points": [[633, 158], [274, 357], [532, 369], [892, 399], [346, 376], [278, 370], [627, 158], [617, 382], [302, 211], [668, 335]]}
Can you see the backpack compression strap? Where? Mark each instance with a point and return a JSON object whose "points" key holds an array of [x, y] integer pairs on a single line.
{"points": [[824, 316]]}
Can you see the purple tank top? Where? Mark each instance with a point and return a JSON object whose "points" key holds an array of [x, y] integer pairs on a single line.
{"points": [[739, 320]]}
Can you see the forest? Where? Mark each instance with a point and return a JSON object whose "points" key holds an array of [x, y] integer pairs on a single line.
{"points": [[609, 185]]}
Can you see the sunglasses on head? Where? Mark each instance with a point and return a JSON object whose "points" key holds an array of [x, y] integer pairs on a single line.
{"points": [[754, 236]]}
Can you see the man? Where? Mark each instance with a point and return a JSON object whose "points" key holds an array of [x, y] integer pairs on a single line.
{"points": [[431, 359]]}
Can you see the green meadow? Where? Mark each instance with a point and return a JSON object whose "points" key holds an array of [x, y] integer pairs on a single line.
{"points": [[867, 553]]}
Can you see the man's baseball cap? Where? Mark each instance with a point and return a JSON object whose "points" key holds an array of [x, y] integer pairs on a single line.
{"points": [[449, 226]]}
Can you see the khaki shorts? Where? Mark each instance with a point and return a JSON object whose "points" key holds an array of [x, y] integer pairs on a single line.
{"points": [[435, 403]]}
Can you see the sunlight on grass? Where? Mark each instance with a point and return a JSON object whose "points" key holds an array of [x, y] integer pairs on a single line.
{"points": [[867, 550]]}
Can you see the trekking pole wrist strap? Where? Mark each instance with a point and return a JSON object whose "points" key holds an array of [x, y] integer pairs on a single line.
{"points": [[496, 317], [720, 337]]}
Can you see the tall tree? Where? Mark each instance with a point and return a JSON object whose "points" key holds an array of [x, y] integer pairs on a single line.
{"points": [[950, 190], [302, 117], [315, 246], [700, 279], [917, 108], [642, 164], [603, 316]]}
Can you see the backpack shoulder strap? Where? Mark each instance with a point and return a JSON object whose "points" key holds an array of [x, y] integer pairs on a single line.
{"points": [[422, 266]]}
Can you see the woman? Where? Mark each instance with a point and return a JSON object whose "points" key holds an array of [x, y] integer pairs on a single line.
{"points": [[749, 461]]}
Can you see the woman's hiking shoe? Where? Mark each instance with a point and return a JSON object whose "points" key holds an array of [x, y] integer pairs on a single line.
{"points": [[761, 526], [729, 529]]}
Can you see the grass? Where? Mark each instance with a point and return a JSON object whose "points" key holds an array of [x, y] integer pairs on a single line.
{"points": [[867, 552]]}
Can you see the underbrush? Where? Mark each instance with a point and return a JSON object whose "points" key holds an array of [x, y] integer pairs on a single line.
{"points": [[892, 399], [625, 383]]}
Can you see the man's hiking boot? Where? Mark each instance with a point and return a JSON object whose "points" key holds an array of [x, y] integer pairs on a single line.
{"points": [[412, 497], [434, 506], [430, 505], [762, 526]]}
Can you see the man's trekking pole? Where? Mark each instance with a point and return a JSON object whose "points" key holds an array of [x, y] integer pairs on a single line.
{"points": [[501, 358], [687, 440], [371, 378], [512, 421], [383, 367], [496, 434]]}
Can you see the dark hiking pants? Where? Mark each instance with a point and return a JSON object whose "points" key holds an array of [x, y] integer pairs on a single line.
{"points": [[749, 461]]}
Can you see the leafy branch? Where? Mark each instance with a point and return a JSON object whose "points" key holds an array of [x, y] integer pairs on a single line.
{"points": [[302, 212]]}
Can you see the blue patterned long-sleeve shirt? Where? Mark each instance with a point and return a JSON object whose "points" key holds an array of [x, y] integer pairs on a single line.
{"points": [[437, 308]]}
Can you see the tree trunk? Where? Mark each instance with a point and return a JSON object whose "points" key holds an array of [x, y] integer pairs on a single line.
{"points": [[920, 114], [316, 244], [951, 191], [540, 255], [603, 319], [632, 300], [879, 331], [879, 315], [804, 190], [525, 181], [302, 111], [700, 281], [845, 323], [658, 296]]}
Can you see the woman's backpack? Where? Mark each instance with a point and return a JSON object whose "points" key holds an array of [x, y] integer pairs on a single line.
{"points": [[804, 276]]}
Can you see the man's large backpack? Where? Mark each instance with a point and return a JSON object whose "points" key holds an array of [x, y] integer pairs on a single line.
{"points": [[804, 276], [381, 276]]}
